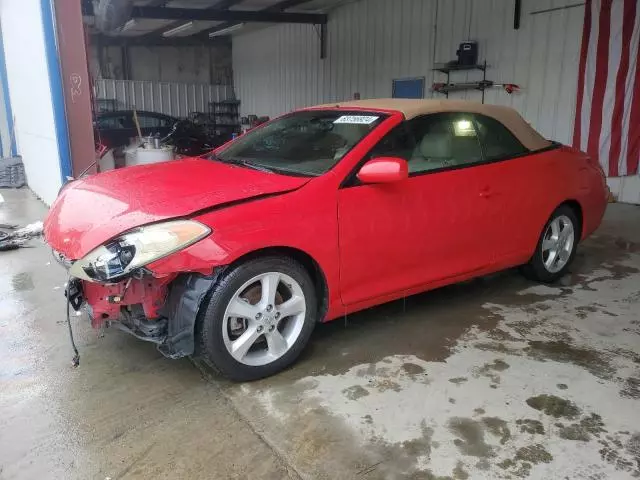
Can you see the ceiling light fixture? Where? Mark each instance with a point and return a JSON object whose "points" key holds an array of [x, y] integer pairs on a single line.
{"points": [[224, 31], [179, 29]]}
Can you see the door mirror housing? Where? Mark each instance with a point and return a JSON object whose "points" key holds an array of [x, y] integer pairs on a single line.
{"points": [[384, 170]]}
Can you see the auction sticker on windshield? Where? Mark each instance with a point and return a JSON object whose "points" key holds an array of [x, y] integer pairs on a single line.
{"points": [[356, 119]]}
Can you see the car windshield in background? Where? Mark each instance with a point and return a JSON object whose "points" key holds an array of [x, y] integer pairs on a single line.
{"points": [[304, 143]]}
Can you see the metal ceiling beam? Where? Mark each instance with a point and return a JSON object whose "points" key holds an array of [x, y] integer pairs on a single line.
{"points": [[238, 16], [284, 4], [225, 4], [278, 7], [220, 5], [156, 41]]}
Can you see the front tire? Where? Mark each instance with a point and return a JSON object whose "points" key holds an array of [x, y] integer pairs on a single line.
{"points": [[258, 318], [556, 247]]}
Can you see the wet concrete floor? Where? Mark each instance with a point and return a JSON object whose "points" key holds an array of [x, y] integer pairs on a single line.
{"points": [[493, 378]]}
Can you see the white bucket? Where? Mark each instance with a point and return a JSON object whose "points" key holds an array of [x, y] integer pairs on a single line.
{"points": [[107, 162], [144, 156]]}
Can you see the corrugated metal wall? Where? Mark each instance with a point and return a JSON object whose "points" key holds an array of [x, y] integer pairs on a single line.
{"points": [[371, 42], [30, 94], [176, 99], [542, 56], [185, 64], [5, 133]]}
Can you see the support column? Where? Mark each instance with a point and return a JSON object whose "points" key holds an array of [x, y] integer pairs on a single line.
{"points": [[76, 84]]}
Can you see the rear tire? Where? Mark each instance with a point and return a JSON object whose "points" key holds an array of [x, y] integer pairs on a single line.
{"points": [[258, 318], [556, 247]]}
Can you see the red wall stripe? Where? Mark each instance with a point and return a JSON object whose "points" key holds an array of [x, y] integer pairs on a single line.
{"points": [[628, 20], [582, 67], [600, 83], [633, 140]]}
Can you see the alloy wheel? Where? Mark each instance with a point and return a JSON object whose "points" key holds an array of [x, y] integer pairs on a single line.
{"points": [[558, 243], [264, 318]]}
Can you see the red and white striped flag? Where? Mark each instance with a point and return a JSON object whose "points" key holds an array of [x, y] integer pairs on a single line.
{"points": [[607, 122]]}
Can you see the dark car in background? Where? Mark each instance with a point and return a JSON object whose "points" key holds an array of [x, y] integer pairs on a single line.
{"points": [[114, 129]]}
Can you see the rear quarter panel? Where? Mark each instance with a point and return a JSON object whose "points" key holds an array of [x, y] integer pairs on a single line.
{"points": [[585, 183], [530, 188], [533, 186], [593, 194]]}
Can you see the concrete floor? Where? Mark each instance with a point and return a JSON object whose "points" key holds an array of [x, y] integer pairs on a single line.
{"points": [[494, 378]]}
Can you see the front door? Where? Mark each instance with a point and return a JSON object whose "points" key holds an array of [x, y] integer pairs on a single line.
{"points": [[521, 182], [430, 227]]}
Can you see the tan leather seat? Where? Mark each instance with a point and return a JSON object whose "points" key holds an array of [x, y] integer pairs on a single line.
{"points": [[433, 152]]}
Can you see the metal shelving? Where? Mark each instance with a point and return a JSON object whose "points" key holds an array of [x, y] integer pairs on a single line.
{"points": [[225, 118], [447, 87]]}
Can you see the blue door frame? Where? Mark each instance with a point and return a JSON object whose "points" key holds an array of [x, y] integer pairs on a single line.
{"points": [[55, 85], [57, 89], [4, 84]]}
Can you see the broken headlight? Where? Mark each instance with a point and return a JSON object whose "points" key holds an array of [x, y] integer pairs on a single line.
{"points": [[137, 248]]}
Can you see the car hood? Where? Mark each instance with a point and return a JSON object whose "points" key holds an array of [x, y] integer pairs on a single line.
{"points": [[90, 211]]}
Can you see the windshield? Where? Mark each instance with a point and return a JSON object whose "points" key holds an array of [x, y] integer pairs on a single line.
{"points": [[305, 143]]}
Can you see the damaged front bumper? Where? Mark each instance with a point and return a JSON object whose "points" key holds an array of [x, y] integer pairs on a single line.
{"points": [[158, 310], [74, 294]]}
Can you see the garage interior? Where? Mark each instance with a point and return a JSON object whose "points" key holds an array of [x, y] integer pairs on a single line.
{"points": [[496, 377]]}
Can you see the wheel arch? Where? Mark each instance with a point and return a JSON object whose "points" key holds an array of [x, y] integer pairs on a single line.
{"points": [[306, 260], [534, 269], [577, 209]]}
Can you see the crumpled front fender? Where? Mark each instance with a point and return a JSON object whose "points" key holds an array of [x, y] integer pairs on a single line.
{"points": [[178, 299], [185, 299]]}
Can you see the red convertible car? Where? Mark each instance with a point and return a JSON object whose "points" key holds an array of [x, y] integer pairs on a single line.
{"points": [[236, 255]]}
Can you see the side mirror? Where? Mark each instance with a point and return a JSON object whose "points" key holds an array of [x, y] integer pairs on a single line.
{"points": [[384, 170]]}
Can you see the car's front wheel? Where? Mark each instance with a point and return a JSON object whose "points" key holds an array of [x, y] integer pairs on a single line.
{"points": [[556, 247], [259, 318]]}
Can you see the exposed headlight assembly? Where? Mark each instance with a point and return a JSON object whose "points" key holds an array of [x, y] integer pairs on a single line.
{"points": [[136, 249]]}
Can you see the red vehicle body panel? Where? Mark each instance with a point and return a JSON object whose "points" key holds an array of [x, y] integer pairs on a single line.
{"points": [[373, 243], [106, 300], [91, 211], [384, 170]]}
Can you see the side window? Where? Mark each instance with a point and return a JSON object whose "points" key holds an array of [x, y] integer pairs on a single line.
{"points": [[166, 121], [497, 140], [443, 140], [397, 143], [112, 122], [152, 121]]}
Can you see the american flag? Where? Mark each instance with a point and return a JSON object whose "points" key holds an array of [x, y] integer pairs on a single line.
{"points": [[607, 122]]}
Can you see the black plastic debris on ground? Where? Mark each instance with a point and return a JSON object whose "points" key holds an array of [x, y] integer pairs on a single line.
{"points": [[19, 237], [12, 173]]}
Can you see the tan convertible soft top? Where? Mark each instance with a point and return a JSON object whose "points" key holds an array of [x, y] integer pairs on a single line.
{"points": [[413, 108]]}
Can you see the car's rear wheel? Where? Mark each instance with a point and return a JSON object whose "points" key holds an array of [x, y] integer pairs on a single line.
{"points": [[556, 247], [259, 318]]}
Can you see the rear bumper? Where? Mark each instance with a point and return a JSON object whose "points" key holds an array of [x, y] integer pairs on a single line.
{"points": [[594, 207]]}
